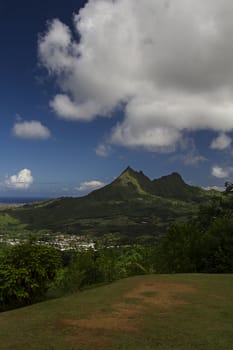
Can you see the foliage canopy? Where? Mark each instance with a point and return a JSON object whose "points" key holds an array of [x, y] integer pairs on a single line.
{"points": [[26, 272]]}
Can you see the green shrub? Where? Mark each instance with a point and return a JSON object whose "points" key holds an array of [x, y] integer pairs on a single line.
{"points": [[26, 272]]}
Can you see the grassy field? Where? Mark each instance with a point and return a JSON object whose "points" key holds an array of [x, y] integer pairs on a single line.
{"points": [[162, 312]]}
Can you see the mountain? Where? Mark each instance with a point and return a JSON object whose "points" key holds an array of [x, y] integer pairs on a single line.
{"points": [[132, 206], [132, 184], [173, 186], [129, 185]]}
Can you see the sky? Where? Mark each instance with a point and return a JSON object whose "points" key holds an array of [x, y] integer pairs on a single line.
{"points": [[88, 88]]}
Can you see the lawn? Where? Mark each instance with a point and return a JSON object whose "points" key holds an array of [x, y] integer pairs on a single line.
{"points": [[156, 312]]}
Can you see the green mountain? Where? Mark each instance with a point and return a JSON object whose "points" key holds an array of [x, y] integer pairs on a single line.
{"points": [[129, 185], [132, 184], [132, 206], [173, 186]]}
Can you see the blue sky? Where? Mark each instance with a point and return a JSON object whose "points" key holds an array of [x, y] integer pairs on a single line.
{"points": [[90, 87]]}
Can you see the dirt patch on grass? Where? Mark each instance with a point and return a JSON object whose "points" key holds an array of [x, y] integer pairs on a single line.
{"points": [[98, 329], [124, 322], [162, 294]]}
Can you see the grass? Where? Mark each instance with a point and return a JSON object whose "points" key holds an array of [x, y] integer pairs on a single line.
{"points": [[162, 312]]}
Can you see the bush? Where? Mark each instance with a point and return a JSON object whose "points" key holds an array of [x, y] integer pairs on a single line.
{"points": [[81, 271], [219, 245], [181, 250], [26, 272]]}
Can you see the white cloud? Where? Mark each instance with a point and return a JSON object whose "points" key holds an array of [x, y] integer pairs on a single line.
{"points": [[22, 180], [133, 134], [103, 150], [220, 172], [32, 129], [90, 185], [167, 62], [221, 142], [216, 188], [190, 158], [193, 159]]}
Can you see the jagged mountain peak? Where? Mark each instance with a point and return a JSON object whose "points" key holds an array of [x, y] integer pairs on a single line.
{"points": [[174, 176], [129, 171], [133, 184], [128, 185], [173, 186], [138, 178]]}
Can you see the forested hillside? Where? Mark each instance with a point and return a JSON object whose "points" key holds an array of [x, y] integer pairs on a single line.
{"points": [[131, 206]]}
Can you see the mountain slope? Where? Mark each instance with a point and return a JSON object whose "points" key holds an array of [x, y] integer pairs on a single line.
{"points": [[132, 205], [132, 184], [173, 186], [129, 185]]}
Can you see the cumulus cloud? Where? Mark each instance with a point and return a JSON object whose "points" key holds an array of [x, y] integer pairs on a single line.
{"points": [[90, 185], [21, 181], [32, 129], [220, 172], [221, 142], [166, 62]]}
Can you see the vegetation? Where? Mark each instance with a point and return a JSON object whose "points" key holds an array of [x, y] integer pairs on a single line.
{"points": [[131, 206], [26, 272], [34, 271], [205, 244], [12, 227], [91, 267]]}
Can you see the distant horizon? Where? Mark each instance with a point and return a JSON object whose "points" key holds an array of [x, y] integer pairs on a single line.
{"points": [[18, 200]]}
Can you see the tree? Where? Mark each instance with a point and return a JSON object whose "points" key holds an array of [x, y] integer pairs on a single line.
{"points": [[228, 187], [82, 271], [203, 245], [182, 249], [26, 272], [219, 245]]}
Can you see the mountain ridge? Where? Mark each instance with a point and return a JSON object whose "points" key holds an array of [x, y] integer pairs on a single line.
{"points": [[131, 183], [132, 206]]}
